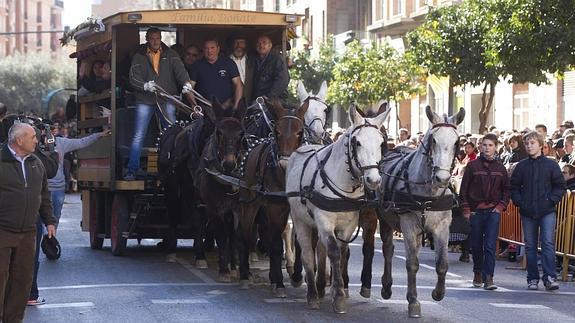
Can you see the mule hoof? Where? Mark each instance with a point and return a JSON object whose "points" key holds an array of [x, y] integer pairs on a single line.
{"points": [[254, 257], [297, 283], [321, 292], [279, 292], [414, 310], [201, 264], [225, 278], [244, 284], [437, 296], [346, 292], [290, 270], [313, 304], [340, 305], [386, 293], [365, 292]]}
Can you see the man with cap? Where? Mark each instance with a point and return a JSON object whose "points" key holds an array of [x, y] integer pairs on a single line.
{"points": [[23, 195], [567, 124]]}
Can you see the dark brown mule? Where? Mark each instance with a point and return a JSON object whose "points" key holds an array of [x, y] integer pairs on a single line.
{"points": [[222, 153], [265, 170]]}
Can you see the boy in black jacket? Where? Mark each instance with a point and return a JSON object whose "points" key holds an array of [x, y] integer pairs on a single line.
{"points": [[537, 185]]}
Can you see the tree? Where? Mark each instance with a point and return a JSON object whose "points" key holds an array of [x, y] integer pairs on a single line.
{"points": [[24, 80], [366, 75], [313, 70], [454, 41]]}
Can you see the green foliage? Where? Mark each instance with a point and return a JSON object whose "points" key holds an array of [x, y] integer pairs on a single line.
{"points": [[313, 70], [25, 79], [368, 75]]}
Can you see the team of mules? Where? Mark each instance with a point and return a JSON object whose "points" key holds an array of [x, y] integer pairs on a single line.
{"points": [[235, 168]]}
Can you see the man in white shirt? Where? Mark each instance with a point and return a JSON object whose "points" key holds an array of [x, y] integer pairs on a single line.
{"points": [[239, 56]]}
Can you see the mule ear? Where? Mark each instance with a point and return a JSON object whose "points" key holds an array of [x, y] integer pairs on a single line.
{"points": [[241, 109], [301, 91], [432, 116], [458, 117], [381, 116], [277, 108], [355, 115], [219, 110], [322, 90], [210, 115], [303, 109], [382, 108]]}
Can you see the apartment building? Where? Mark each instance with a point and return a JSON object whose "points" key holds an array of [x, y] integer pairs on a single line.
{"points": [[105, 8], [516, 106], [30, 23]]}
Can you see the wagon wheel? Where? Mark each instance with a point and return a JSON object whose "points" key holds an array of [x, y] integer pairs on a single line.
{"points": [[119, 222], [96, 239]]}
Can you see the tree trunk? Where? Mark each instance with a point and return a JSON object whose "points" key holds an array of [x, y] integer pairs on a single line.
{"points": [[486, 104], [450, 98]]}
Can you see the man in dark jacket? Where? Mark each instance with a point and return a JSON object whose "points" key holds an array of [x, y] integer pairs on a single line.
{"points": [[485, 192], [537, 185], [23, 194], [154, 63], [270, 76]]}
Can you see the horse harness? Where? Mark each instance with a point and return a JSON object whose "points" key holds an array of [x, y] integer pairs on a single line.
{"points": [[342, 203], [310, 135]]}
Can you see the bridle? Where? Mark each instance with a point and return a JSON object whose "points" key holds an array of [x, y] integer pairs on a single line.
{"points": [[427, 148], [310, 134]]}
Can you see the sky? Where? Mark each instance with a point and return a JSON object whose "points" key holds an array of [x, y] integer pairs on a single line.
{"points": [[76, 12]]}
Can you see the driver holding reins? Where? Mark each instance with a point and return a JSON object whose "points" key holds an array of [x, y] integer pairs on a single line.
{"points": [[153, 64]]}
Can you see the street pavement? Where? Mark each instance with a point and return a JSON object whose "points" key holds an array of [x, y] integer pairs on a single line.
{"points": [[87, 285]]}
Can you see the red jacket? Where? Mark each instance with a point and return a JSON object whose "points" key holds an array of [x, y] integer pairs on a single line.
{"points": [[485, 184]]}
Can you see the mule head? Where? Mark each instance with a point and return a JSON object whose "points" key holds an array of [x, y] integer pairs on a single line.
{"points": [[228, 134], [365, 144], [288, 129], [316, 116], [441, 143]]}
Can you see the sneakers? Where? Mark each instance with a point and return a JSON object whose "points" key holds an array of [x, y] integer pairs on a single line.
{"points": [[477, 279], [550, 283], [489, 285], [130, 177], [36, 302], [533, 284]]}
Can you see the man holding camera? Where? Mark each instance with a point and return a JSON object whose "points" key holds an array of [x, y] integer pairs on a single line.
{"points": [[23, 195]]}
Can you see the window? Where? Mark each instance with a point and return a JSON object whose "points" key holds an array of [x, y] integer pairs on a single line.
{"points": [[521, 110], [397, 7], [38, 36]]}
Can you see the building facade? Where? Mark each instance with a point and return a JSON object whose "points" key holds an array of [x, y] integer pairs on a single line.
{"points": [[30, 26], [105, 8]]}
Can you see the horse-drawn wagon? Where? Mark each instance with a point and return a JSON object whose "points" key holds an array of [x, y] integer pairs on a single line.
{"points": [[112, 207]]}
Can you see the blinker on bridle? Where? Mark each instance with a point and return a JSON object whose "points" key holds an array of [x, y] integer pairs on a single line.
{"points": [[351, 153]]}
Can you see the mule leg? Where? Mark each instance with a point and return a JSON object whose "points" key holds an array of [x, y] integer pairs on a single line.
{"points": [[334, 253], [441, 240], [304, 239], [223, 258], [199, 222], [345, 254], [321, 255], [368, 223], [387, 248], [289, 254], [277, 221], [411, 234], [297, 277], [245, 217]]}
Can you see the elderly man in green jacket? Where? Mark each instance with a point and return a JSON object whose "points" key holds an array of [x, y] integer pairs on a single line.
{"points": [[23, 195]]}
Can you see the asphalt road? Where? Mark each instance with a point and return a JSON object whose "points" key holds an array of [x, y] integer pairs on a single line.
{"points": [[93, 286]]}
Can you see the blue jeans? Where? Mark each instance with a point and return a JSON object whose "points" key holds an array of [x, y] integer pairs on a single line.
{"points": [[144, 114], [58, 203], [484, 230], [534, 229]]}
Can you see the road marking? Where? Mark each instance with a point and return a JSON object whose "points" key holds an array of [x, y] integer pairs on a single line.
{"points": [[520, 306], [67, 305], [404, 302], [205, 278], [135, 285], [216, 292], [284, 300], [180, 301], [429, 267], [465, 289]]}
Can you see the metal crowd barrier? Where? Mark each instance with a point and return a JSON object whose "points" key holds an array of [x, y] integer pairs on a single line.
{"points": [[510, 229]]}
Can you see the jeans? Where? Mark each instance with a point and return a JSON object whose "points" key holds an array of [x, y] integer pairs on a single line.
{"points": [[484, 230], [144, 114], [34, 294], [58, 203], [534, 229]]}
